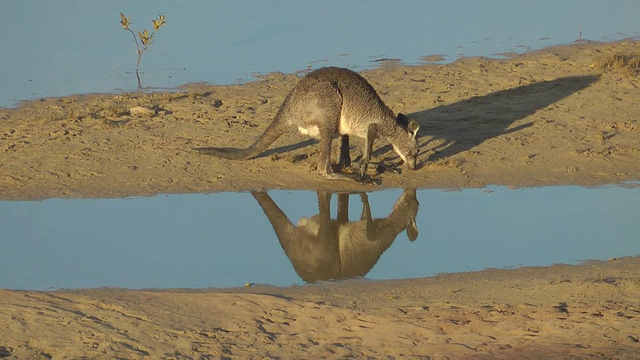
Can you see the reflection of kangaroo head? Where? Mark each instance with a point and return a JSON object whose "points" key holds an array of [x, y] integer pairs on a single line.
{"points": [[322, 248]]}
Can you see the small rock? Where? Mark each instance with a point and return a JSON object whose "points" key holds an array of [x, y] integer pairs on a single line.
{"points": [[142, 111]]}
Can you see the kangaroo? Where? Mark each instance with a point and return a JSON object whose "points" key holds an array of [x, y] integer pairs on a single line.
{"points": [[334, 101], [321, 248]]}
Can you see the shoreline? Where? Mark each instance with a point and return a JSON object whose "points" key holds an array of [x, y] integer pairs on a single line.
{"points": [[557, 312], [374, 64], [548, 117]]}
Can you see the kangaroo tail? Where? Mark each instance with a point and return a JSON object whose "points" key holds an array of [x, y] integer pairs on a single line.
{"points": [[273, 132]]}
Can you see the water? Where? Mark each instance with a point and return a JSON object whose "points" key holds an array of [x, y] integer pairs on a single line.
{"points": [[227, 239], [221, 240], [70, 46]]}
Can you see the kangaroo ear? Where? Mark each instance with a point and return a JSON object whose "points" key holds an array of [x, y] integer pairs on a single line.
{"points": [[412, 230], [402, 119], [413, 127]]}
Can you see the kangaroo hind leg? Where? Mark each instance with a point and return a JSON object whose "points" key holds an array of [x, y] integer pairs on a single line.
{"points": [[317, 108], [345, 156], [324, 161]]}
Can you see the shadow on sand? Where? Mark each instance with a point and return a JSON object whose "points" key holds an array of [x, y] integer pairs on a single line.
{"points": [[465, 124], [468, 123]]}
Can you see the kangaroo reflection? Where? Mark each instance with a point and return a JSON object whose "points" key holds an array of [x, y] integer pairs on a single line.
{"points": [[322, 248]]}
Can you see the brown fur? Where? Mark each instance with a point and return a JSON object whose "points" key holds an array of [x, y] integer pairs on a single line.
{"points": [[329, 102]]}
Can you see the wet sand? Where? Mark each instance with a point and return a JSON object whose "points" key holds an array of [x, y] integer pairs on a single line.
{"points": [[548, 117]]}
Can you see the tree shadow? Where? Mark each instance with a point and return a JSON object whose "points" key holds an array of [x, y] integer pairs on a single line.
{"points": [[463, 125]]}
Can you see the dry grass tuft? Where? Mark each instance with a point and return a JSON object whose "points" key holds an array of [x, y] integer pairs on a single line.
{"points": [[628, 64]]}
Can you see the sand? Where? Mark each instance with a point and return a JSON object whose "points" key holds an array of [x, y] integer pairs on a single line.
{"points": [[544, 118], [549, 117], [561, 312]]}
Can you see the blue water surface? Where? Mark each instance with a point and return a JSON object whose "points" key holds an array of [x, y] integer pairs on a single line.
{"points": [[199, 240], [56, 48]]}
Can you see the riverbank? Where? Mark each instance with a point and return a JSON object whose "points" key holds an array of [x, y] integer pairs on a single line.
{"points": [[549, 117]]}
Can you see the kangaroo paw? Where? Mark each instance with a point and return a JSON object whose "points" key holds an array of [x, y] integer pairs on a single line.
{"points": [[383, 168], [345, 162], [363, 169]]}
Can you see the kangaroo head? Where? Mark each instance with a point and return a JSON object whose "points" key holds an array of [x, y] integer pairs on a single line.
{"points": [[405, 143]]}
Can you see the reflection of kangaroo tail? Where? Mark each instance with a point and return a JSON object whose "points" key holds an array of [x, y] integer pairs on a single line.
{"points": [[281, 223], [274, 131]]}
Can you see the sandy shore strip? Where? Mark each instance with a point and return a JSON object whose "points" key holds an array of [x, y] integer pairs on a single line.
{"points": [[549, 117], [590, 311]]}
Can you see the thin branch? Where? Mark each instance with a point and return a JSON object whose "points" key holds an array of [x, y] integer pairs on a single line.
{"points": [[143, 37]]}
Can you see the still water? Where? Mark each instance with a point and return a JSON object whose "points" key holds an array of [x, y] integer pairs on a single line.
{"points": [[283, 238], [56, 48], [292, 237]]}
